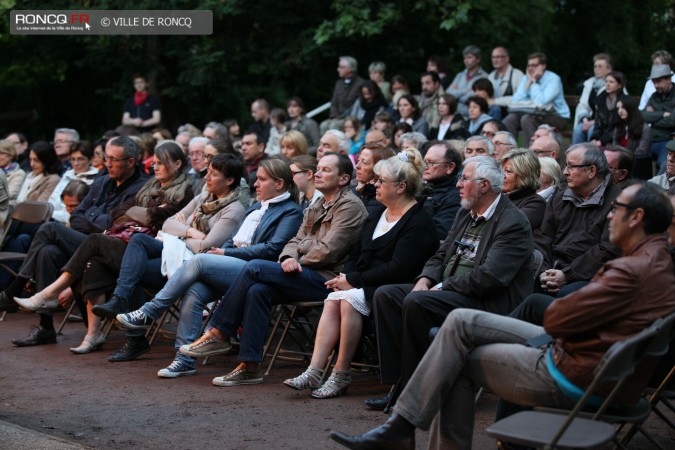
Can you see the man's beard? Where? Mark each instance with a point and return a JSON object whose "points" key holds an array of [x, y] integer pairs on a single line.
{"points": [[467, 203]]}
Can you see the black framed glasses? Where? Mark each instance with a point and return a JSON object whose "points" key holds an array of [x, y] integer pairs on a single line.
{"points": [[435, 163], [575, 166], [617, 204], [107, 158]]}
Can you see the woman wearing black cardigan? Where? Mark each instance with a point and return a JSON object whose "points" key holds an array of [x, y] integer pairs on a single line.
{"points": [[395, 243], [521, 170]]}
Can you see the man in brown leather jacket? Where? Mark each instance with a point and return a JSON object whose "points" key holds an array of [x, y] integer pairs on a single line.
{"points": [[473, 347]]}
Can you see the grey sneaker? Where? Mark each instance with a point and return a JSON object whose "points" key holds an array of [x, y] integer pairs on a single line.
{"points": [[135, 320], [176, 369], [207, 345], [238, 377]]}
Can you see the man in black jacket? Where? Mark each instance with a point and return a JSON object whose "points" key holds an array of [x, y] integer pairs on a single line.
{"points": [[440, 194], [484, 263], [54, 243]]}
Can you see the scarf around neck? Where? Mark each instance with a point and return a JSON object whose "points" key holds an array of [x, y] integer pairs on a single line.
{"points": [[209, 207]]}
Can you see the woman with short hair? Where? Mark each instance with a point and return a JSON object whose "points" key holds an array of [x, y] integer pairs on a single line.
{"points": [[521, 170], [393, 248]]}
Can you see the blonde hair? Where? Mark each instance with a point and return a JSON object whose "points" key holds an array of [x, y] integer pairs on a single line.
{"points": [[526, 166], [7, 148], [405, 167], [551, 169], [295, 139]]}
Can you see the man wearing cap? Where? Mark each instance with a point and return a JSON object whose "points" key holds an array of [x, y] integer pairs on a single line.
{"points": [[660, 111], [667, 180]]}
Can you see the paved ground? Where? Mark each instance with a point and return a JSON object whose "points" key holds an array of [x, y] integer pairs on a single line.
{"points": [[52, 399]]}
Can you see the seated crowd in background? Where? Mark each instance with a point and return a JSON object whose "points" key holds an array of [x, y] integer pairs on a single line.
{"points": [[401, 212]]}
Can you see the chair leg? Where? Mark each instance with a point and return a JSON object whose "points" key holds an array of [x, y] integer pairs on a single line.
{"points": [[72, 305]]}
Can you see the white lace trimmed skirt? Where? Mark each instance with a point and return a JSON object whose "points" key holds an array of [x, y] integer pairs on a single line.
{"points": [[355, 297]]}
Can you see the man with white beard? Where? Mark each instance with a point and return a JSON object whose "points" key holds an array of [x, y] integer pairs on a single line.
{"points": [[485, 262]]}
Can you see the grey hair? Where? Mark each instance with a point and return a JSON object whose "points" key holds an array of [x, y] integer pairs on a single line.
{"points": [[198, 140], [418, 138], [377, 66], [594, 156], [491, 146], [74, 135], [219, 128], [343, 141], [511, 140], [351, 62], [488, 168], [550, 168], [472, 50], [552, 131], [128, 146]]}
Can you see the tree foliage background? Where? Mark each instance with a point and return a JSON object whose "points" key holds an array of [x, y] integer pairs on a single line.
{"points": [[278, 49]]}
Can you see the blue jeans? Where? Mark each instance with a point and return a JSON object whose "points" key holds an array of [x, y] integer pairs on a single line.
{"points": [[142, 260], [579, 136], [199, 280], [249, 300]]}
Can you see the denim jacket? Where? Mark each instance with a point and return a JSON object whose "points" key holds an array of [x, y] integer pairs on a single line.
{"points": [[277, 226]]}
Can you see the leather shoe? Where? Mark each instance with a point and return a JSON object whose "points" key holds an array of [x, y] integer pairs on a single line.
{"points": [[37, 336], [7, 304], [395, 434], [109, 310], [378, 404], [132, 349]]}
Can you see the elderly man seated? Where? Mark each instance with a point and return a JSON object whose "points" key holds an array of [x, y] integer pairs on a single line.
{"points": [[478, 348]]}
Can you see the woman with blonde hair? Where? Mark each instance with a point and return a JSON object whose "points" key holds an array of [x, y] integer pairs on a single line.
{"points": [[521, 170], [394, 246], [293, 143], [550, 177]]}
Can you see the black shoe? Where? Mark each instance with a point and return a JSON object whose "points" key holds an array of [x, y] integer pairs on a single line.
{"points": [[378, 404], [132, 349], [37, 336], [7, 304], [388, 401], [395, 434], [109, 310]]}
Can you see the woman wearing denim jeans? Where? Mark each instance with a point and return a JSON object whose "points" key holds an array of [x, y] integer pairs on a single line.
{"points": [[268, 226]]}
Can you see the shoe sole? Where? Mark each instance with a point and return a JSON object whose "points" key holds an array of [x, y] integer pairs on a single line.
{"points": [[131, 358], [330, 396], [300, 388], [217, 382], [176, 374], [47, 306], [104, 314], [128, 325], [206, 353], [33, 344]]}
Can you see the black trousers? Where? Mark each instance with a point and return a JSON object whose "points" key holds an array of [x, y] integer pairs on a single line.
{"points": [[402, 322]]}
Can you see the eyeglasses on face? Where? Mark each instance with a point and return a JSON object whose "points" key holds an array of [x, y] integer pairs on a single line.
{"points": [[617, 204], [113, 159]]}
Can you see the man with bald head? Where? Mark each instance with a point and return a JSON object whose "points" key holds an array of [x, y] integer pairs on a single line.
{"points": [[545, 146]]}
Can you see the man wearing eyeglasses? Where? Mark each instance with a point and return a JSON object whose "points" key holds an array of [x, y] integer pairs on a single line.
{"points": [[54, 243], [64, 138], [476, 348], [545, 146], [667, 180], [198, 162], [485, 262], [538, 100], [439, 192], [573, 237]]}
